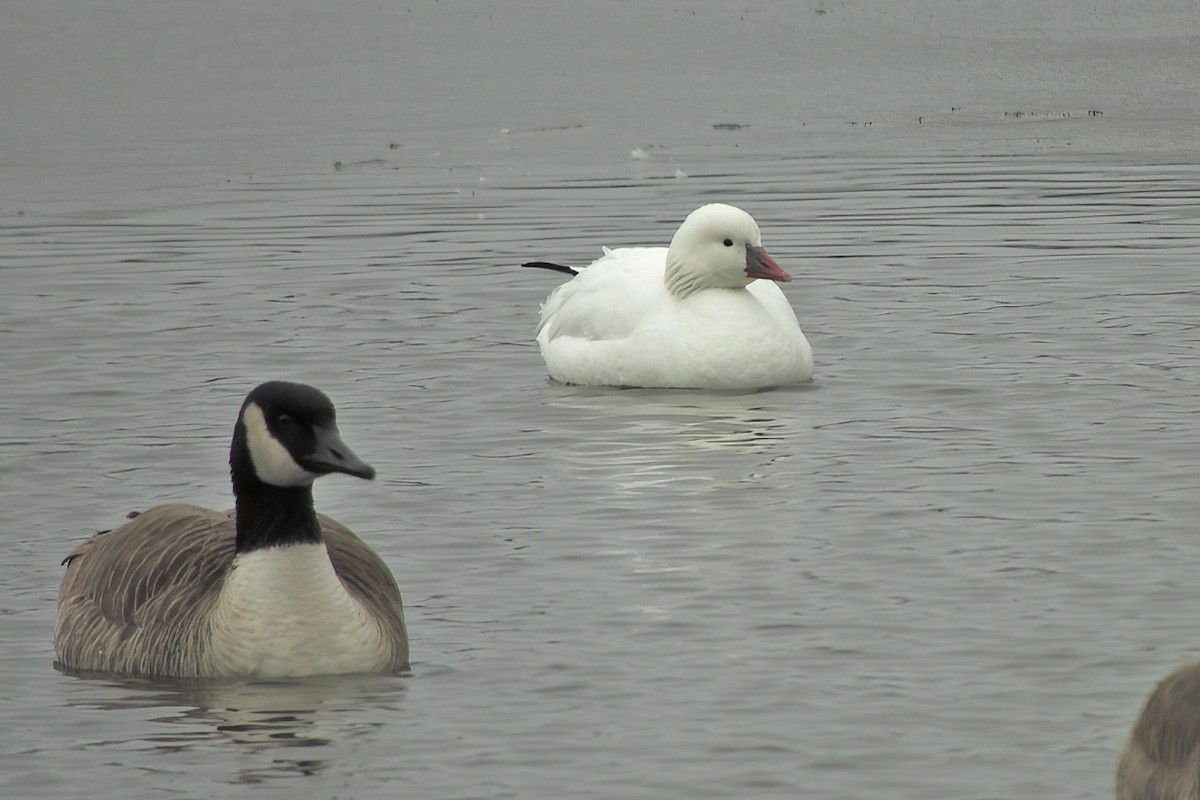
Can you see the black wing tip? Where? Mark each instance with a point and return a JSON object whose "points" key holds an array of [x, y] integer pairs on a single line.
{"points": [[551, 266]]}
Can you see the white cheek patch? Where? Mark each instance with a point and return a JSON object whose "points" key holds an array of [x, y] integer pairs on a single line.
{"points": [[273, 464]]}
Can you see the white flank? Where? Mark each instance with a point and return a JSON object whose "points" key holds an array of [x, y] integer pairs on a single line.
{"points": [[284, 613], [272, 462]]}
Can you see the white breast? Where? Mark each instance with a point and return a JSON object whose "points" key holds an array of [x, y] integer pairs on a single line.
{"points": [[285, 613]]}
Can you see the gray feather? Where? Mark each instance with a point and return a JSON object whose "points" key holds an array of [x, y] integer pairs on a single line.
{"points": [[368, 579], [137, 600], [1161, 760]]}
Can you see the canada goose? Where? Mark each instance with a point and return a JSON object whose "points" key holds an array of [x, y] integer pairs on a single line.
{"points": [[269, 589], [1161, 761], [704, 313]]}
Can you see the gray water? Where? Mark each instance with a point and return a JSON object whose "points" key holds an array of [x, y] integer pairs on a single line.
{"points": [[952, 567]]}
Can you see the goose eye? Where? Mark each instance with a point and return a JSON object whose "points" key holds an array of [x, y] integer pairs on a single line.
{"points": [[283, 419], [729, 242]]}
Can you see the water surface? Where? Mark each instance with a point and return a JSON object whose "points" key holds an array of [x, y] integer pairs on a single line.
{"points": [[953, 566]]}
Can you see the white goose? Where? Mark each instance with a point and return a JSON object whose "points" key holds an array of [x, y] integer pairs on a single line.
{"points": [[270, 589], [704, 313]]}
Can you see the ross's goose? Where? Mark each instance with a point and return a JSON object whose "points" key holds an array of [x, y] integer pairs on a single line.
{"points": [[704, 313]]}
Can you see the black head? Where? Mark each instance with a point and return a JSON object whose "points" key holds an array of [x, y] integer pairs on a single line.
{"points": [[287, 435]]}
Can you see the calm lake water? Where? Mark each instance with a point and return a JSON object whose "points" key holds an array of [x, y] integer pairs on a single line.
{"points": [[952, 567]]}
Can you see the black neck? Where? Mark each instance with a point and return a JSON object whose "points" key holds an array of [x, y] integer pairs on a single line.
{"points": [[273, 516], [268, 516]]}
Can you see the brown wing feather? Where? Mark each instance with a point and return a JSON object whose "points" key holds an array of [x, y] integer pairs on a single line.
{"points": [[368, 579], [115, 611], [135, 600], [1162, 757]]}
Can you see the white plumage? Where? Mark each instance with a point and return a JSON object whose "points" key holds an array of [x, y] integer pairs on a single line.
{"points": [[705, 313], [283, 612]]}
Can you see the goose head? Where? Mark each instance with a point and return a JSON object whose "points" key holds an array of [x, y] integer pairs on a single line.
{"points": [[287, 436], [718, 246]]}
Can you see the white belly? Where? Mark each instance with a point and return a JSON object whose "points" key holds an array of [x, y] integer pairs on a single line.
{"points": [[284, 613]]}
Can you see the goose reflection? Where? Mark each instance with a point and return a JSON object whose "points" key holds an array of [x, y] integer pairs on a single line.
{"points": [[270, 717], [642, 439]]}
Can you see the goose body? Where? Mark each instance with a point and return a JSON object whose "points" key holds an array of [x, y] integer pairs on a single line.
{"points": [[705, 313], [269, 589], [1161, 760]]}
